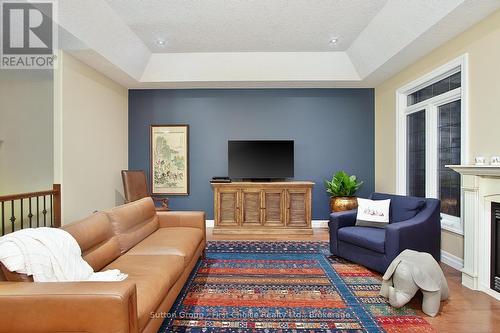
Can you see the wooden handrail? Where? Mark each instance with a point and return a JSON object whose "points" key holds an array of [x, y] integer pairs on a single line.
{"points": [[27, 195], [54, 207]]}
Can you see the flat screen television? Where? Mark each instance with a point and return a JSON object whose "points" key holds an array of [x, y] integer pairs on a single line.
{"points": [[260, 159]]}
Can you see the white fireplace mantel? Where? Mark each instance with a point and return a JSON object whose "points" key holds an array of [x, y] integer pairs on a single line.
{"points": [[480, 187], [477, 170]]}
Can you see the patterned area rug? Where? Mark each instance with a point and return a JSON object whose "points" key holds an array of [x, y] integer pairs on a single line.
{"points": [[284, 287]]}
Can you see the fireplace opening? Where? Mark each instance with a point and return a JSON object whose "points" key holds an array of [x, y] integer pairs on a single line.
{"points": [[495, 246]]}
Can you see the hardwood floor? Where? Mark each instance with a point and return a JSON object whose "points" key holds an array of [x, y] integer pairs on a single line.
{"points": [[465, 311]]}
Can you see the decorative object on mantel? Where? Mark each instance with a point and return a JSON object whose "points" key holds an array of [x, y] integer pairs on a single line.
{"points": [[342, 190], [169, 159], [495, 160], [411, 271], [480, 160]]}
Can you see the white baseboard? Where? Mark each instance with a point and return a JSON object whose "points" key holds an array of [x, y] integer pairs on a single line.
{"points": [[319, 224], [452, 260]]}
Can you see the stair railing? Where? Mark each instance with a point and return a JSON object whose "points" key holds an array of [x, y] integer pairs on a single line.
{"points": [[30, 210]]}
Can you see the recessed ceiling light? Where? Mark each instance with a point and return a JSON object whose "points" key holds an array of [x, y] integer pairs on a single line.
{"points": [[161, 42], [334, 41]]}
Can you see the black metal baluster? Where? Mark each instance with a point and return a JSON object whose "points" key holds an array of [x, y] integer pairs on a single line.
{"points": [[12, 215], [22, 214], [37, 212], [30, 215], [51, 211], [3, 218], [44, 211]]}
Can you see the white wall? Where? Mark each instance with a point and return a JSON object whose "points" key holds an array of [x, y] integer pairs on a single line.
{"points": [[91, 138], [26, 131]]}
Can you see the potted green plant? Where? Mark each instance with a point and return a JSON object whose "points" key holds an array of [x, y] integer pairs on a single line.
{"points": [[342, 190]]}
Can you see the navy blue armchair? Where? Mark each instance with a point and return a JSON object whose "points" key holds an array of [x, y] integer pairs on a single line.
{"points": [[414, 223]]}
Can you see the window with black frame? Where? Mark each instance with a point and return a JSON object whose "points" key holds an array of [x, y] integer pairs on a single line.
{"points": [[434, 128]]}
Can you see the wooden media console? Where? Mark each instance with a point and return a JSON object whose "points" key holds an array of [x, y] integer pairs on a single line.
{"points": [[262, 207]]}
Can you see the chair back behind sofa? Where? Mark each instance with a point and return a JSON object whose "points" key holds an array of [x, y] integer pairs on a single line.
{"points": [[134, 221], [96, 238], [402, 207], [135, 185]]}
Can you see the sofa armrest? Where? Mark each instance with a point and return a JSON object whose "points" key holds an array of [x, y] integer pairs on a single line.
{"points": [[68, 307], [343, 219], [420, 233], [189, 219], [340, 220]]}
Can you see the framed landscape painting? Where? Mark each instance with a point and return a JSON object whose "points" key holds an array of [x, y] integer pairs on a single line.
{"points": [[169, 159]]}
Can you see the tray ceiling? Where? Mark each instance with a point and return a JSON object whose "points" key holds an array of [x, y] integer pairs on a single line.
{"points": [[259, 43], [247, 26]]}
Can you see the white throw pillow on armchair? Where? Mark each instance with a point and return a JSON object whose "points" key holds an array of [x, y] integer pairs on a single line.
{"points": [[373, 213]]}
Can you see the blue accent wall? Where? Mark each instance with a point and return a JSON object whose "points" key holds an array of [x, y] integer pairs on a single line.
{"points": [[333, 130]]}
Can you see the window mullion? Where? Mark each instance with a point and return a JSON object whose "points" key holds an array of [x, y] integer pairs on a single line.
{"points": [[431, 151]]}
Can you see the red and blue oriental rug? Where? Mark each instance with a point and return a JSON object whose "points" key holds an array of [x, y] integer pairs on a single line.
{"points": [[284, 287]]}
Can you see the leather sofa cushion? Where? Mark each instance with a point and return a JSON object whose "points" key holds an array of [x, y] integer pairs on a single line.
{"points": [[96, 238], [133, 222], [369, 238], [402, 207], [153, 276], [181, 241]]}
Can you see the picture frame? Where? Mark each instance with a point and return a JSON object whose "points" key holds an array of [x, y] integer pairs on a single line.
{"points": [[169, 159]]}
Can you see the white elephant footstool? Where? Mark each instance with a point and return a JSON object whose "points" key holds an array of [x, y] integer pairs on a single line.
{"points": [[408, 272]]}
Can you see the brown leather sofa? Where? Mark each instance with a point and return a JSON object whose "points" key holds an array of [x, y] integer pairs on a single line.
{"points": [[158, 251]]}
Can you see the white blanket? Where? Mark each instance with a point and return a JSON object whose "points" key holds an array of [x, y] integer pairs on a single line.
{"points": [[49, 255]]}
